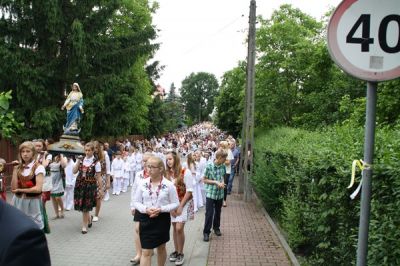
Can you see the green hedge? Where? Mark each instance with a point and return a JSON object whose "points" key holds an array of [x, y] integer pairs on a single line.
{"points": [[302, 176]]}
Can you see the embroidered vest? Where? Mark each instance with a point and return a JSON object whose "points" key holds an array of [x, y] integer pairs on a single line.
{"points": [[28, 181], [87, 173]]}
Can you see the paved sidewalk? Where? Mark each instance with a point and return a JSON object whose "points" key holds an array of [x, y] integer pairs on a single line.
{"points": [[247, 237], [110, 241]]}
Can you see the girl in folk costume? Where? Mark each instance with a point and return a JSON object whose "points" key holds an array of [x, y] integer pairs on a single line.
{"points": [[183, 181], [136, 214], [117, 171], [155, 198], [101, 157], [125, 176], [44, 159], [132, 165], [87, 182], [70, 180], [57, 191], [26, 184]]}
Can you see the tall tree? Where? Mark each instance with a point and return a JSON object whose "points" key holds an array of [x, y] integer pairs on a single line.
{"points": [[198, 94], [297, 82], [283, 41], [173, 110], [172, 93], [102, 45], [157, 117], [230, 100]]}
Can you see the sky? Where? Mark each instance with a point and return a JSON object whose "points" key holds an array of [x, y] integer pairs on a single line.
{"points": [[209, 35]]}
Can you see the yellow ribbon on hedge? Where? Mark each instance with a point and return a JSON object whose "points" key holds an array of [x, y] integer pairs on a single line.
{"points": [[361, 165]]}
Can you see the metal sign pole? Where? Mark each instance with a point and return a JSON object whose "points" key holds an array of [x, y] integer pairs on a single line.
{"points": [[362, 248], [352, 29]]}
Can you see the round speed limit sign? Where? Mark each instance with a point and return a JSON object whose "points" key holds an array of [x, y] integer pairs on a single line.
{"points": [[364, 38]]}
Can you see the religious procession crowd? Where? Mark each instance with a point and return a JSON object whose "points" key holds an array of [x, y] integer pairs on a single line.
{"points": [[169, 178]]}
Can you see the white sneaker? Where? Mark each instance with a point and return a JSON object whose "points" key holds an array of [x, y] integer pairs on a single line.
{"points": [[95, 219], [179, 259]]}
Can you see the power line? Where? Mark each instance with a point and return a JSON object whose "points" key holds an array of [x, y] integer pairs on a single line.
{"points": [[212, 35]]}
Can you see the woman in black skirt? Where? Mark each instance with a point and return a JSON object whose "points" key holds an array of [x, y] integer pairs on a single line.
{"points": [[136, 214], [155, 198], [88, 182]]}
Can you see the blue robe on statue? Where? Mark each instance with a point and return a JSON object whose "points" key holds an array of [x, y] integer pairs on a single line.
{"points": [[74, 115]]}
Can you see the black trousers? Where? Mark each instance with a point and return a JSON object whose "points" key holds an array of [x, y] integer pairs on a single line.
{"points": [[226, 182], [213, 215]]}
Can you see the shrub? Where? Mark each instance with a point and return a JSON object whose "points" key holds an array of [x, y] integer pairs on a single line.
{"points": [[302, 176]]}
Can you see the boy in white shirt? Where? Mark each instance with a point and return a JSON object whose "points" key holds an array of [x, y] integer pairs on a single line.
{"points": [[117, 171], [125, 176]]}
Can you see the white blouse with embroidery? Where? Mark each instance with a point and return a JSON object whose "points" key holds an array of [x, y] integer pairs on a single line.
{"points": [[162, 196], [88, 162]]}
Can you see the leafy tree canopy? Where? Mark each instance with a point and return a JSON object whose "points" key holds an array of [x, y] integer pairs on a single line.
{"points": [[297, 83], [198, 94], [102, 45], [8, 125], [230, 101]]}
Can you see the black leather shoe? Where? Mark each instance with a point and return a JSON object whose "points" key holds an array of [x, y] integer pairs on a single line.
{"points": [[91, 220], [206, 237], [217, 232]]}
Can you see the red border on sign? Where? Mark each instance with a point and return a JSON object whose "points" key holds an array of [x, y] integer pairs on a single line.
{"points": [[341, 60]]}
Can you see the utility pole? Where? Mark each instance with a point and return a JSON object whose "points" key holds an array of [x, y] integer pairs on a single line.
{"points": [[248, 120]]}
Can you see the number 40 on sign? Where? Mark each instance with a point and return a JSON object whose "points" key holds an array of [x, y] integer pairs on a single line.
{"points": [[364, 38]]}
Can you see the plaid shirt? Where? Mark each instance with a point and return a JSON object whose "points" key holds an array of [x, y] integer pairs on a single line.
{"points": [[214, 172]]}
